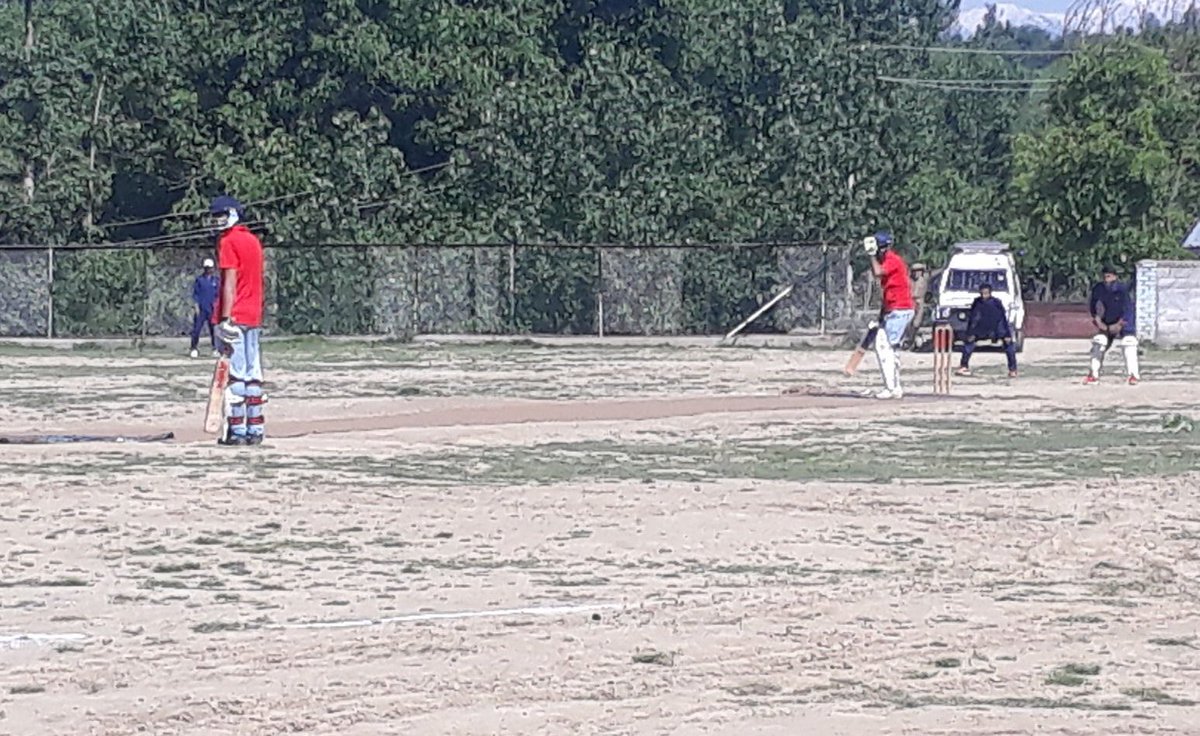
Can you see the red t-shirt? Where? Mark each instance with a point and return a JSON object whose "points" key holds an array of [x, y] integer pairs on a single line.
{"points": [[897, 289], [239, 249]]}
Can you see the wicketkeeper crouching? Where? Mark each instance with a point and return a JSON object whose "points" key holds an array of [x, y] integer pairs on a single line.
{"points": [[988, 321], [240, 259]]}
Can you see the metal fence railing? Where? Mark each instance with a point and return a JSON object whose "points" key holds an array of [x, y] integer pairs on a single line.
{"points": [[405, 289]]}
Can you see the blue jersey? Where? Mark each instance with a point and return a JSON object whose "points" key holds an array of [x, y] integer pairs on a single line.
{"points": [[989, 319], [1110, 303], [204, 292], [1131, 308]]}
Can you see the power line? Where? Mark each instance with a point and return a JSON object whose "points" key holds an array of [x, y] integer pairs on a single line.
{"points": [[974, 85], [966, 88], [965, 82], [952, 88], [254, 203], [968, 50], [182, 238]]}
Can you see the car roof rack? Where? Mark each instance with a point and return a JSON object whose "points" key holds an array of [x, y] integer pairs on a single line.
{"points": [[979, 246]]}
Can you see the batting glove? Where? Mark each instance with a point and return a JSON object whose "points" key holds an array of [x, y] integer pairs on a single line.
{"points": [[870, 245], [228, 332]]}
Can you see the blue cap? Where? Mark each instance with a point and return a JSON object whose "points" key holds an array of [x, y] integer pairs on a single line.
{"points": [[883, 238]]}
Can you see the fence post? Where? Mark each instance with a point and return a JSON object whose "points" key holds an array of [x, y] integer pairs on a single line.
{"points": [[600, 291], [416, 305], [824, 284], [512, 288], [50, 292], [145, 292]]}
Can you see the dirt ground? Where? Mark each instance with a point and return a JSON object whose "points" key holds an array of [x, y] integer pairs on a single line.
{"points": [[632, 538]]}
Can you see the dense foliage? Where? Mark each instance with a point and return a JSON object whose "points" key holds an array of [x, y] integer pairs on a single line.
{"points": [[590, 121]]}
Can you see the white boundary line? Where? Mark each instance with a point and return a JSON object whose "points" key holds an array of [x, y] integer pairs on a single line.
{"points": [[16, 641], [536, 611]]}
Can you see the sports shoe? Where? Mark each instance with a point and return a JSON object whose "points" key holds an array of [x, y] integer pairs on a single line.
{"points": [[890, 394], [234, 440], [1133, 380], [1012, 374], [963, 371], [254, 439], [1090, 380], [195, 353]]}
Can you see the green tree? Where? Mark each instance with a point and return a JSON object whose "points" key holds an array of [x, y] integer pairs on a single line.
{"points": [[1103, 182]]}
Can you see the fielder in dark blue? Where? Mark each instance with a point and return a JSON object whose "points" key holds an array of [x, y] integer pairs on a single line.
{"points": [[1113, 311], [204, 294], [988, 321]]}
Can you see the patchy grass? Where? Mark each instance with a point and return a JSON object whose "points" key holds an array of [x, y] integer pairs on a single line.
{"points": [[67, 582], [174, 567], [1036, 451], [216, 627], [1072, 675], [664, 659], [1081, 619], [1154, 695], [1171, 641]]}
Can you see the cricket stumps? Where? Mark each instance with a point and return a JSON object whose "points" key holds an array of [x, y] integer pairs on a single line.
{"points": [[943, 350]]}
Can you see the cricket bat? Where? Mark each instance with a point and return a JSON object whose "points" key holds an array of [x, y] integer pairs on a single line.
{"points": [[214, 416], [857, 356]]}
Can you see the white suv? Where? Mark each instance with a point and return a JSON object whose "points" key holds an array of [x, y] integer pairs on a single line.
{"points": [[972, 265]]}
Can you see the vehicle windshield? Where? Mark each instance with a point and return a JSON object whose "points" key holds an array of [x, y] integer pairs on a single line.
{"points": [[971, 280]]}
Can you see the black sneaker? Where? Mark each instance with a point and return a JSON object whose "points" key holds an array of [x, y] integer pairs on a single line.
{"points": [[234, 440], [254, 439]]}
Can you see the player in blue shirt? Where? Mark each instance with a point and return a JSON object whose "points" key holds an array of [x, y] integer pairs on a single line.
{"points": [[1112, 308], [988, 321], [204, 298]]}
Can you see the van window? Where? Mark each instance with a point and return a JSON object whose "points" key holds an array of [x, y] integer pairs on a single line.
{"points": [[964, 280]]}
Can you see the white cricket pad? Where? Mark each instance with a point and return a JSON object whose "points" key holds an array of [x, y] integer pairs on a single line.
{"points": [[1129, 344], [888, 363], [1099, 348]]}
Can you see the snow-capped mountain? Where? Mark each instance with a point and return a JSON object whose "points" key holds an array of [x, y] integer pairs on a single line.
{"points": [[971, 19], [1089, 16]]}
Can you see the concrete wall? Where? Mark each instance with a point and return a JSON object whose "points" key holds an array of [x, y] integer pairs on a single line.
{"points": [[1168, 302]]}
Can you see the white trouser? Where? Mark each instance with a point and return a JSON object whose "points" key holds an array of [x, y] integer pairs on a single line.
{"points": [[1129, 348], [889, 361]]}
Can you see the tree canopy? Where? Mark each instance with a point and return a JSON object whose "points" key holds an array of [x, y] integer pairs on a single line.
{"points": [[597, 121]]}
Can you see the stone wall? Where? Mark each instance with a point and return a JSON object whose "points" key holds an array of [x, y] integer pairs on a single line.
{"points": [[1168, 302]]}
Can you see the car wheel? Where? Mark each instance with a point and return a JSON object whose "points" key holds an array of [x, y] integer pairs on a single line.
{"points": [[1020, 341]]}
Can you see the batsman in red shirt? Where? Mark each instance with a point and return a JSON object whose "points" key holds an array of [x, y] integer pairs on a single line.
{"points": [[897, 310], [240, 309]]}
